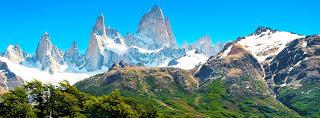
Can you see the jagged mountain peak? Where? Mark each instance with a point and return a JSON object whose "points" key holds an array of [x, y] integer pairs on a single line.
{"points": [[74, 48], [14, 53], [265, 42], [99, 28], [156, 10], [45, 35], [156, 30], [155, 14], [44, 46], [14, 47], [263, 29], [49, 56], [205, 40]]}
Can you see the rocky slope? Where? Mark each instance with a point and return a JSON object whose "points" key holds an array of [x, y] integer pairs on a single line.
{"points": [[8, 79], [284, 66], [265, 43], [141, 80], [243, 77], [181, 93], [294, 75]]}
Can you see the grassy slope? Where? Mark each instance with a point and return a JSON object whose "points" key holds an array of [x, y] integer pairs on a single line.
{"points": [[304, 100], [211, 100]]}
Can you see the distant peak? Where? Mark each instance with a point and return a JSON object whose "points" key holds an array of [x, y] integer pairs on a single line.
{"points": [[205, 39], [74, 44], [73, 49], [16, 46]]}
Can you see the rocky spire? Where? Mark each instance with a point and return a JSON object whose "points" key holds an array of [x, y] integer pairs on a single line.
{"points": [[94, 53], [99, 28], [49, 56], [73, 50], [73, 57], [44, 47], [15, 53], [154, 26]]}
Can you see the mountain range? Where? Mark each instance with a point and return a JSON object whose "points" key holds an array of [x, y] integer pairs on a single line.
{"points": [[153, 45], [269, 73]]}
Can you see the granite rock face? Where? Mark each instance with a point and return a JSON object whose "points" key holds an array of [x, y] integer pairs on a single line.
{"points": [[49, 57], [94, 53], [8, 79], [155, 28]]}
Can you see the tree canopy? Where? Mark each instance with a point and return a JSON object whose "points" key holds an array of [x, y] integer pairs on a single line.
{"points": [[39, 100]]}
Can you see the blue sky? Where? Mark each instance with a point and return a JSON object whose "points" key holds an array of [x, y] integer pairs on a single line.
{"points": [[23, 21]]}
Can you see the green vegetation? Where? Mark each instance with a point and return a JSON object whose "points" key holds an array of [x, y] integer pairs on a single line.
{"points": [[304, 100], [37, 100], [218, 98], [213, 99]]}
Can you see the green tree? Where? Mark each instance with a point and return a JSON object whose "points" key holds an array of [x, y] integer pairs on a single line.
{"points": [[40, 97], [112, 106], [16, 105], [65, 102], [39, 100]]}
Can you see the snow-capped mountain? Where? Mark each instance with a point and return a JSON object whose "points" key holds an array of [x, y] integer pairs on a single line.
{"points": [[266, 43], [15, 53], [269, 47], [48, 56], [205, 46], [74, 59], [153, 45], [187, 62], [26, 74], [196, 54]]}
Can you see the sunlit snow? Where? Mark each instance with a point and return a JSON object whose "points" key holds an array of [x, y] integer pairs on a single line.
{"points": [[29, 74]]}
